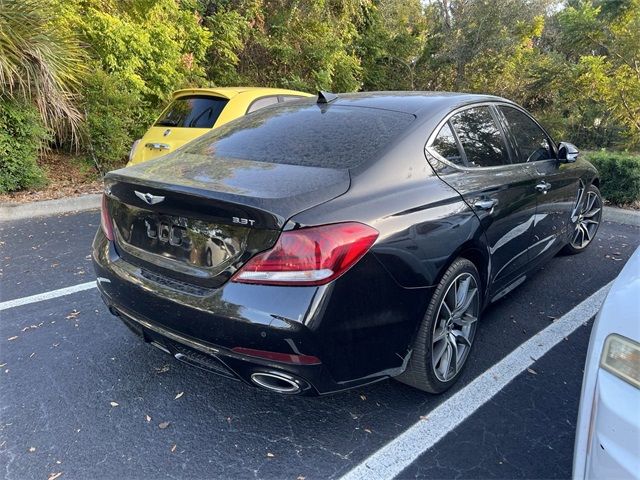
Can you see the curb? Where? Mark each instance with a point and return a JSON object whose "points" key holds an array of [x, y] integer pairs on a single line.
{"points": [[11, 211], [620, 215]]}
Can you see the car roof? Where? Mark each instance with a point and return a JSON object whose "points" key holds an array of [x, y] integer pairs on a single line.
{"points": [[415, 103], [230, 92]]}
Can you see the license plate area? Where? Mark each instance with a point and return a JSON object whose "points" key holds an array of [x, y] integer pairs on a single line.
{"points": [[187, 246]]}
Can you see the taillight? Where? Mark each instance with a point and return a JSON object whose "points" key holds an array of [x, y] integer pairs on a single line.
{"points": [[309, 256], [105, 219], [132, 152], [296, 359]]}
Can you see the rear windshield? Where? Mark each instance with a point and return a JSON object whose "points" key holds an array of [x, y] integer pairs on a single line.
{"points": [[312, 135], [195, 111]]}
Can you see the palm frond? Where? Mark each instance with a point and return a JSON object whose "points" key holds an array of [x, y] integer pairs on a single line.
{"points": [[41, 63]]}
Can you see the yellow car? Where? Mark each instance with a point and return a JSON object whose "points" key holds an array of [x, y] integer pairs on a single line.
{"points": [[195, 111]]}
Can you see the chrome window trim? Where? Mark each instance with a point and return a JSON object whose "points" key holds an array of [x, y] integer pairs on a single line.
{"points": [[429, 144]]}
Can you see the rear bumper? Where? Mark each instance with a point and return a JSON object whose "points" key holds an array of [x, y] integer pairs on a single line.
{"points": [[358, 340], [220, 360]]}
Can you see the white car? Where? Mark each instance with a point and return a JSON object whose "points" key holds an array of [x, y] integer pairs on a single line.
{"points": [[607, 442]]}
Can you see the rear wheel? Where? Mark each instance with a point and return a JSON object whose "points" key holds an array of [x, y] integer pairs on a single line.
{"points": [[446, 333], [587, 217]]}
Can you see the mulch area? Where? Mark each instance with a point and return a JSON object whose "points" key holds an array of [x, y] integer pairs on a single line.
{"points": [[68, 176]]}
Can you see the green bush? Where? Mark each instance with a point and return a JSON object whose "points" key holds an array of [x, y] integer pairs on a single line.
{"points": [[22, 136], [619, 175], [115, 116]]}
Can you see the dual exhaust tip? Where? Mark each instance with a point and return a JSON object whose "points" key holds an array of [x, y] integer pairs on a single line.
{"points": [[279, 383]]}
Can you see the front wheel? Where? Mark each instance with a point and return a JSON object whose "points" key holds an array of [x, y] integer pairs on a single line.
{"points": [[446, 333], [587, 218]]}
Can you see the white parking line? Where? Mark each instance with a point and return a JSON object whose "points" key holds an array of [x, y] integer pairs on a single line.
{"points": [[399, 453], [47, 295]]}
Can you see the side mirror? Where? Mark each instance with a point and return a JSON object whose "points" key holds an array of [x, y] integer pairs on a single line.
{"points": [[567, 152]]}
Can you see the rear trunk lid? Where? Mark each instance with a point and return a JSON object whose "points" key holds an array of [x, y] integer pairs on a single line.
{"points": [[197, 218], [159, 141]]}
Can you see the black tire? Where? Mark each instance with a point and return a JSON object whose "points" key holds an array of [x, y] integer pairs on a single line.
{"points": [[576, 243], [421, 372]]}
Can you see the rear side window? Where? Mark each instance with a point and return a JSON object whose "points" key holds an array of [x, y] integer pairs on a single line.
{"points": [[447, 146], [195, 111], [289, 98], [532, 143], [261, 103], [313, 135], [480, 137]]}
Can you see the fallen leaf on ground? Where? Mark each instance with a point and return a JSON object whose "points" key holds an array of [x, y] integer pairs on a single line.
{"points": [[179, 395], [163, 425], [74, 313], [147, 418], [531, 370], [114, 404]]}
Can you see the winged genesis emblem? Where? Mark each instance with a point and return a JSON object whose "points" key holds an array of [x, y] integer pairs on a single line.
{"points": [[148, 198]]}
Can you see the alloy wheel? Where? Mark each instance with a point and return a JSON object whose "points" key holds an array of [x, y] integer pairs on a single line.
{"points": [[588, 221], [455, 327]]}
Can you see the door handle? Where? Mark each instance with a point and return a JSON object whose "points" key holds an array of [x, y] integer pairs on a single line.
{"points": [[485, 204], [543, 187], [157, 146]]}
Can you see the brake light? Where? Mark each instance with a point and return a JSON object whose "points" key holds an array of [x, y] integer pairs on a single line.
{"points": [[309, 256], [105, 219]]}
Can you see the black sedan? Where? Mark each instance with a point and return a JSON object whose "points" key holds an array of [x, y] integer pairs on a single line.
{"points": [[329, 243]]}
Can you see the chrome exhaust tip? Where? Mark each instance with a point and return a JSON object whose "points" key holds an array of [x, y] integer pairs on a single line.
{"points": [[277, 382]]}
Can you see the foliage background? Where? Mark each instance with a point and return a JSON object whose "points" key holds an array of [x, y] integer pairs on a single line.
{"points": [[98, 71]]}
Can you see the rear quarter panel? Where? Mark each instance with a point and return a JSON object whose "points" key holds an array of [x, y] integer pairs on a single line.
{"points": [[424, 225]]}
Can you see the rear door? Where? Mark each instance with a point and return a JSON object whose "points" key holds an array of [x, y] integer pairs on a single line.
{"points": [[556, 186], [476, 161]]}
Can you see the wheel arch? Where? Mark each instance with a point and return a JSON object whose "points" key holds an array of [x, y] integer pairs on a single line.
{"points": [[477, 253]]}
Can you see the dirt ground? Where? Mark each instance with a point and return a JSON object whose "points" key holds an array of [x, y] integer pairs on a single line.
{"points": [[67, 175]]}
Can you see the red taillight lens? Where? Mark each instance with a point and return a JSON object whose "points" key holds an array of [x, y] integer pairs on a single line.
{"points": [[278, 357], [309, 256], [105, 219]]}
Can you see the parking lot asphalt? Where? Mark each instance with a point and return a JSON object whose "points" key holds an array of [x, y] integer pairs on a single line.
{"points": [[82, 396]]}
